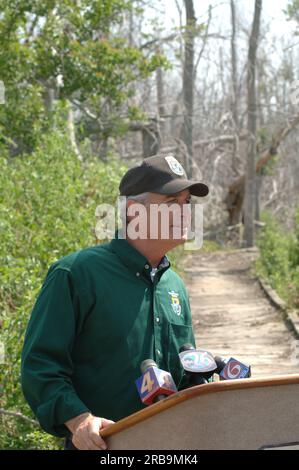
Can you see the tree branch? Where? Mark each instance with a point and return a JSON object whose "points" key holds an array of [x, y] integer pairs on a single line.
{"points": [[234, 197], [16, 414]]}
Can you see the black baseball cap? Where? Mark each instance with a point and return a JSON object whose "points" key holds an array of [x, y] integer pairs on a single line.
{"points": [[159, 174]]}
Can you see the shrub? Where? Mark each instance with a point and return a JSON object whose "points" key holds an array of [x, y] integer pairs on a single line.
{"points": [[275, 262], [47, 207]]}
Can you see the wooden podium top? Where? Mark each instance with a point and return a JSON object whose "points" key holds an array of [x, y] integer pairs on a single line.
{"points": [[209, 403]]}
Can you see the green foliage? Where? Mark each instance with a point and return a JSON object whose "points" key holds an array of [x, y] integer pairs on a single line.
{"points": [[264, 141], [295, 244], [274, 246], [82, 46], [210, 246], [279, 260], [294, 259], [269, 168], [292, 10], [47, 207], [263, 136], [16, 435], [22, 116]]}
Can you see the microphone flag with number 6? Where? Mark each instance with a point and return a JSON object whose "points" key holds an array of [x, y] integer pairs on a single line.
{"points": [[154, 384], [232, 369]]}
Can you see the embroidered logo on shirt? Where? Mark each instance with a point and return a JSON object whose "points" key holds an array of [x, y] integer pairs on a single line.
{"points": [[175, 302], [175, 166]]}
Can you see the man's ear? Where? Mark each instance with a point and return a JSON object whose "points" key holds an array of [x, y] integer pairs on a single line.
{"points": [[140, 206], [130, 202]]}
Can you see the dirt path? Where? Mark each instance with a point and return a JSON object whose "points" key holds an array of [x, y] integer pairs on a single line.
{"points": [[233, 317]]}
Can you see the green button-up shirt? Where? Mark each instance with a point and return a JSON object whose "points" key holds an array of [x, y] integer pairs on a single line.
{"points": [[97, 317]]}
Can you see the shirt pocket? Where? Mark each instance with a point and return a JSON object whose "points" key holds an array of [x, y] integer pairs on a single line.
{"points": [[177, 336]]}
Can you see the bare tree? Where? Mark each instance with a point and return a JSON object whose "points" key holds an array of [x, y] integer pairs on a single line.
{"points": [[213, 111], [235, 196], [72, 132], [250, 189], [234, 72], [161, 100], [188, 84]]}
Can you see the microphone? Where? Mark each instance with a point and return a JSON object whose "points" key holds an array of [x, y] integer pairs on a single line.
{"points": [[232, 369], [199, 365], [154, 384]]}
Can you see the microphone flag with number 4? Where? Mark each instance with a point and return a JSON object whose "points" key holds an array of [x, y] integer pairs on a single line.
{"points": [[154, 382]]}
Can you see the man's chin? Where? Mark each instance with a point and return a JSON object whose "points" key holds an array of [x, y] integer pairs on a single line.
{"points": [[182, 236], [180, 239], [171, 241], [174, 237]]}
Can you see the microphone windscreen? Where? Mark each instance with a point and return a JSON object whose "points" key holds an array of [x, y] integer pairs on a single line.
{"points": [[186, 347], [146, 364], [221, 363]]}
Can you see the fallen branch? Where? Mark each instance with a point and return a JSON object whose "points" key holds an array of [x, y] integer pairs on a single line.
{"points": [[235, 195], [276, 141], [222, 139], [16, 414]]}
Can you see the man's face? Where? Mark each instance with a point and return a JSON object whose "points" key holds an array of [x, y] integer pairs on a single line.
{"points": [[165, 217]]}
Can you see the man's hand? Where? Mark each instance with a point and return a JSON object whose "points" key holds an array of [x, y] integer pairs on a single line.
{"points": [[85, 429]]}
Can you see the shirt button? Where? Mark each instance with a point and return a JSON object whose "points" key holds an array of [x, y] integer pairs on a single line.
{"points": [[158, 319], [158, 352], [146, 266], [137, 274]]}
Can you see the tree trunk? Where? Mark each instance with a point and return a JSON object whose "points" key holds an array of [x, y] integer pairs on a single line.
{"points": [[72, 132], [234, 77], [151, 141], [161, 101], [250, 189], [188, 84], [174, 115], [49, 94], [235, 104], [259, 182], [150, 136]]}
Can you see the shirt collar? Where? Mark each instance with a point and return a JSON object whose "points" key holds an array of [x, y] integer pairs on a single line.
{"points": [[132, 258], [164, 263]]}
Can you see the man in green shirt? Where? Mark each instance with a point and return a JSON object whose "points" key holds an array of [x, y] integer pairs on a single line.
{"points": [[103, 310]]}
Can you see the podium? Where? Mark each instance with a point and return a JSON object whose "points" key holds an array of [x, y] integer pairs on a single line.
{"points": [[251, 413]]}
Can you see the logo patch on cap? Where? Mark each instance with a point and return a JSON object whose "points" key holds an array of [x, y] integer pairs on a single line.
{"points": [[175, 166]]}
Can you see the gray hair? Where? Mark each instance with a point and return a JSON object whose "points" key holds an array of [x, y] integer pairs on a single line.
{"points": [[143, 197]]}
